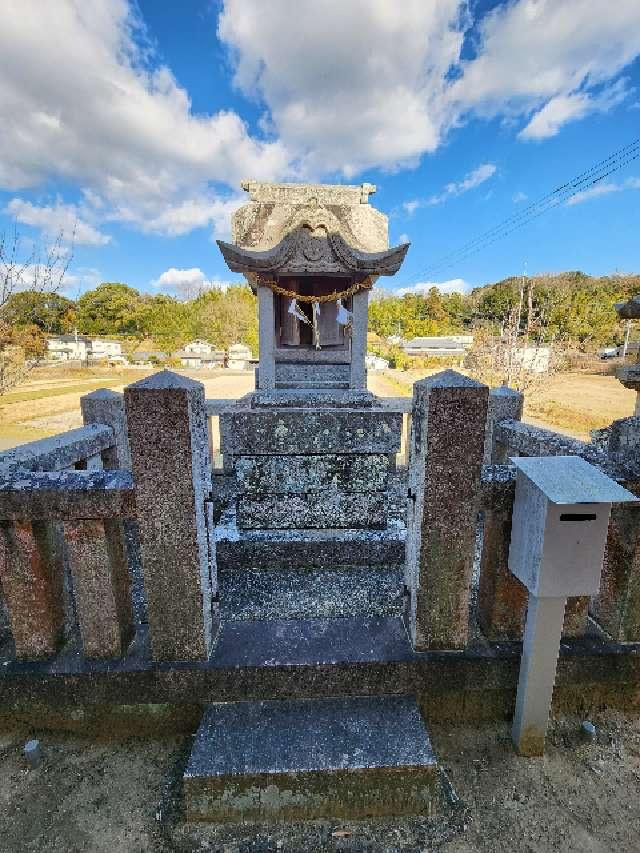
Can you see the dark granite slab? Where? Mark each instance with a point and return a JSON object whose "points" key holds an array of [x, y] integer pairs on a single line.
{"points": [[310, 735]]}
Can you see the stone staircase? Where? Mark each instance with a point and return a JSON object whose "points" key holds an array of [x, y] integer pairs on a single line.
{"points": [[349, 758], [310, 593]]}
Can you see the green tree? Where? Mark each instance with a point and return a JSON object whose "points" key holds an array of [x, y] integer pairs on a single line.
{"points": [[112, 308], [50, 312], [226, 317]]}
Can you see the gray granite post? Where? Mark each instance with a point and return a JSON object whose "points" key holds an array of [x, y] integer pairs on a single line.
{"points": [[167, 423], [267, 339], [32, 579], [447, 445], [97, 557], [107, 407], [504, 404], [360, 309]]}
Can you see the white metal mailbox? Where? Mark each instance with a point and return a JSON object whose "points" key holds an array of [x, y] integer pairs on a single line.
{"points": [[558, 535], [559, 527]]}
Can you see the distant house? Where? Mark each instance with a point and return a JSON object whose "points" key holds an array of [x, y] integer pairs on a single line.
{"points": [[535, 359], [198, 347], [77, 347], [239, 357], [451, 345], [69, 347], [197, 358], [374, 362], [148, 358], [101, 348]]}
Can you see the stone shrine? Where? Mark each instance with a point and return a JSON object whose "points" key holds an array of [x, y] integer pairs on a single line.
{"points": [[307, 606], [311, 448]]}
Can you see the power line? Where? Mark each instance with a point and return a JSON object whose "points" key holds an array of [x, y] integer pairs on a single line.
{"points": [[551, 200], [583, 181], [561, 194]]}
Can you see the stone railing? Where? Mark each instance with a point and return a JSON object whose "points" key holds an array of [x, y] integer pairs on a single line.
{"points": [[53, 514], [502, 599], [86, 448], [53, 519]]}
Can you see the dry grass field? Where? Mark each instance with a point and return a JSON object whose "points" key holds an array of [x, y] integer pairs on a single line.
{"points": [[49, 402]]}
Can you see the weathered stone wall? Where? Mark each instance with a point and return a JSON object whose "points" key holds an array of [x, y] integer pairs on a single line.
{"points": [[308, 467]]}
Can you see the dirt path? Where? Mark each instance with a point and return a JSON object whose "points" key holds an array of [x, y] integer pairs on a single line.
{"points": [[107, 797], [571, 403]]}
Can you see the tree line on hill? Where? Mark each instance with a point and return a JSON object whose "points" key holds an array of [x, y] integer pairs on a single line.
{"points": [[571, 307]]}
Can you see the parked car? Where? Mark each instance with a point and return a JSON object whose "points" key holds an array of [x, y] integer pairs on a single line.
{"points": [[608, 352]]}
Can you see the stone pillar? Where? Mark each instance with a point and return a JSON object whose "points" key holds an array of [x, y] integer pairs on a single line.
{"points": [[32, 582], [167, 423], [360, 309], [267, 339], [447, 445], [98, 563], [629, 376], [504, 404], [106, 407]]}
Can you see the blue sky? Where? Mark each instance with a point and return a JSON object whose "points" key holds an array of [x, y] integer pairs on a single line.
{"points": [[137, 121]]}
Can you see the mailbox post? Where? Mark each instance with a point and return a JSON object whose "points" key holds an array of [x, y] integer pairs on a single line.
{"points": [[558, 535]]}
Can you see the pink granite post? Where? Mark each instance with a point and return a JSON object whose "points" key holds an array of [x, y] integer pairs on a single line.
{"points": [[98, 562], [447, 445], [167, 425], [31, 575]]}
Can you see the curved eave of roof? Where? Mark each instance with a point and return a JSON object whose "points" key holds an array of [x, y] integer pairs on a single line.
{"points": [[277, 259], [629, 310]]}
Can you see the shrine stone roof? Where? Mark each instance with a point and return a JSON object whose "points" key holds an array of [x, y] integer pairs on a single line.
{"points": [[306, 252], [307, 229]]}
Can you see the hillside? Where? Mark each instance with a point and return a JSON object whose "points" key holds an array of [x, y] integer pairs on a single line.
{"points": [[570, 306]]}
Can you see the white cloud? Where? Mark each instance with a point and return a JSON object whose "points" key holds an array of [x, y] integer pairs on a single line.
{"points": [[187, 283], [344, 87], [59, 219], [184, 216], [454, 285], [470, 181], [403, 238], [81, 279], [564, 108], [519, 197], [348, 85], [556, 57], [79, 101], [604, 189], [553, 59]]}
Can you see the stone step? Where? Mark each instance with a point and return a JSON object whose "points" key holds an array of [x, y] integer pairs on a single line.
{"points": [[250, 594], [283, 549], [325, 385], [304, 759], [312, 373]]}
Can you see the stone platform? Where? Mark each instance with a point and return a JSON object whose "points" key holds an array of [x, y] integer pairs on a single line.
{"points": [[311, 593], [295, 760]]}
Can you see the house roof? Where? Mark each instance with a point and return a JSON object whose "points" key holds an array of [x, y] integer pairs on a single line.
{"points": [[456, 342], [68, 339]]}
